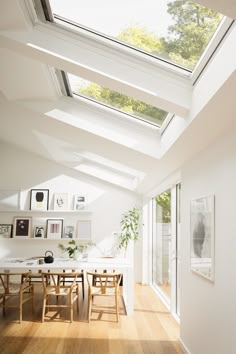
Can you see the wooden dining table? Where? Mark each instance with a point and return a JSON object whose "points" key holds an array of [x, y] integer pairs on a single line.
{"points": [[121, 265]]}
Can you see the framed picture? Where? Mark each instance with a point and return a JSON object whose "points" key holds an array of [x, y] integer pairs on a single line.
{"points": [[39, 231], [54, 228], [9, 199], [84, 229], [6, 230], [39, 199], [202, 236], [69, 231], [60, 201], [22, 227], [79, 202]]}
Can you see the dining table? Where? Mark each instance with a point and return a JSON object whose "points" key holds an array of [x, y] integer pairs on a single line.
{"points": [[98, 264]]}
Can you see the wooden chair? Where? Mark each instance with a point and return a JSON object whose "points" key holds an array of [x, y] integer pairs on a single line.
{"points": [[103, 284], [34, 277], [80, 279], [15, 285], [54, 285]]}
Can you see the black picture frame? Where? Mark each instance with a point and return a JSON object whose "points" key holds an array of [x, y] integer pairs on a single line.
{"points": [[39, 199]]}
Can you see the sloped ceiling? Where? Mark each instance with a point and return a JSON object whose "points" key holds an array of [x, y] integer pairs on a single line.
{"points": [[76, 135]]}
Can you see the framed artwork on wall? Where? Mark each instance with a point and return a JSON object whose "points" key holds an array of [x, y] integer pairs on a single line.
{"points": [[69, 231], [79, 202], [39, 231], [39, 199], [202, 240], [9, 199], [54, 228], [6, 230], [22, 227], [84, 230], [61, 201]]}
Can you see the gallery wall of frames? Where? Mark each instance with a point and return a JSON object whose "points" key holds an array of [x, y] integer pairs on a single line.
{"points": [[68, 217]]}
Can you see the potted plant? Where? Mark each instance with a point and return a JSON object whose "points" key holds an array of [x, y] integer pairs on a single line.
{"points": [[129, 228], [73, 248]]}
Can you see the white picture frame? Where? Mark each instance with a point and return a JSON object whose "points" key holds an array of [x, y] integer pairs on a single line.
{"points": [[69, 232], [6, 230], [80, 202], [54, 228], [22, 227], [39, 231], [9, 199], [202, 238], [60, 201], [84, 228]]}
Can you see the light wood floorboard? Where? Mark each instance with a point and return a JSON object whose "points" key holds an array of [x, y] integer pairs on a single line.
{"points": [[150, 330]]}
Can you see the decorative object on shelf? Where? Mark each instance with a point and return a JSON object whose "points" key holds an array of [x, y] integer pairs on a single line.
{"points": [[79, 202], [129, 228], [48, 258], [6, 230], [22, 227], [54, 228], [61, 201], [84, 229], [9, 199], [68, 232], [74, 249], [39, 232], [202, 236], [39, 199]]}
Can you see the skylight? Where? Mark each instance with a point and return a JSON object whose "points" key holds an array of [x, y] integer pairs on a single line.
{"points": [[174, 31], [118, 101]]}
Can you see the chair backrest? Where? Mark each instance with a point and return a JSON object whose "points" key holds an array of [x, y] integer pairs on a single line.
{"points": [[13, 282], [104, 281], [57, 280]]}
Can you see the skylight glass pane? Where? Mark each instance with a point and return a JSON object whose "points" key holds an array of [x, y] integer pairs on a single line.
{"points": [[117, 100], [176, 31]]}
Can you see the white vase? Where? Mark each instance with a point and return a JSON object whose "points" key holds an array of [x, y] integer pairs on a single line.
{"points": [[78, 256]]}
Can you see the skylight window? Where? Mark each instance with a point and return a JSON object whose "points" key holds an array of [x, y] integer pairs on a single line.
{"points": [[174, 31], [118, 101]]}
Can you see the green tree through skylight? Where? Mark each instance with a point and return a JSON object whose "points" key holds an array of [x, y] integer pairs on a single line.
{"points": [[189, 33]]}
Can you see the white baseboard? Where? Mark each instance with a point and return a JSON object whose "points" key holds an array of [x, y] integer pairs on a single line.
{"points": [[185, 349]]}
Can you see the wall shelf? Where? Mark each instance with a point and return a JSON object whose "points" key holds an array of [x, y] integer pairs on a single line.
{"points": [[46, 211]]}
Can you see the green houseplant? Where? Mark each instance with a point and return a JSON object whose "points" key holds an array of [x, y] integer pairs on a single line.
{"points": [[129, 228], [74, 248]]}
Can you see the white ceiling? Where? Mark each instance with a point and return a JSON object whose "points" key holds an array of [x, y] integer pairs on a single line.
{"points": [[84, 138]]}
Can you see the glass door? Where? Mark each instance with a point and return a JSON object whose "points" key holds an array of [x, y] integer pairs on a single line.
{"points": [[162, 244], [165, 247]]}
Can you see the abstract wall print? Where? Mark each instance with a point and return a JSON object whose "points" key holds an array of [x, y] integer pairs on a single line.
{"points": [[39, 199], [54, 228], [22, 227], [79, 202], [60, 201], [202, 236], [6, 230]]}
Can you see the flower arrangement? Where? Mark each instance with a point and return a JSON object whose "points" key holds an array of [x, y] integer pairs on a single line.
{"points": [[73, 248]]}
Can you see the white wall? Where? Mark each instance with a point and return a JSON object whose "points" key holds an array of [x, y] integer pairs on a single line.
{"points": [[208, 310], [24, 171]]}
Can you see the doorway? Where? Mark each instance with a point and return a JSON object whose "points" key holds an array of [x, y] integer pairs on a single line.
{"points": [[165, 247]]}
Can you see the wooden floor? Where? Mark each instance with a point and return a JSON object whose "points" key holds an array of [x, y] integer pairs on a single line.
{"points": [[150, 330]]}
